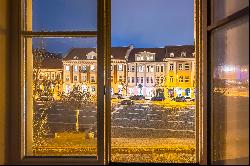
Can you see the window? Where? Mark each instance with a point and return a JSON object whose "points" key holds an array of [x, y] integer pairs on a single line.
{"points": [[157, 69], [141, 79], [147, 79], [42, 126], [84, 69], [162, 80], [171, 79], [92, 79], [186, 78], [171, 54], [147, 69], [151, 69], [67, 68], [92, 68], [152, 80], [141, 69], [180, 66], [181, 79], [75, 78], [162, 68], [133, 79], [171, 66], [112, 78], [183, 54], [76, 68], [120, 79], [84, 78], [111, 68], [186, 66], [128, 79], [132, 68], [120, 67]]}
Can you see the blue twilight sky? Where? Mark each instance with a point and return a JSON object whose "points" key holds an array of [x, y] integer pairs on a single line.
{"points": [[143, 23]]}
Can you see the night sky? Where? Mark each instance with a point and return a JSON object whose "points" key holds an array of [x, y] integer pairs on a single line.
{"points": [[143, 23]]}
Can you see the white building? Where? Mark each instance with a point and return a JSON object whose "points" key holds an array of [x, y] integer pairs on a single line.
{"points": [[146, 71]]}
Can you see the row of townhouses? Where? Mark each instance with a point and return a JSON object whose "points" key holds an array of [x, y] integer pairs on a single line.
{"points": [[134, 71]]}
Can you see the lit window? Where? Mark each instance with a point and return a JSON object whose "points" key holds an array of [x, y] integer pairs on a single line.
{"points": [[84, 68], [120, 67], [141, 69], [92, 67], [67, 68], [75, 68], [171, 54], [180, 67], [186, 66], [171, 66], [137, 79], [157, 69], [151, 69]]}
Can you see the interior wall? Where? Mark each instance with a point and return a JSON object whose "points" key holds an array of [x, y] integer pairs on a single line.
{"points": [[4, 34]]}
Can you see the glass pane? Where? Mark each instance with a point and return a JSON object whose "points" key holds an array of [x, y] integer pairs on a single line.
{"points": [[152, 83], [61, 15], [224, 8], [60, 101], [231, 93]]}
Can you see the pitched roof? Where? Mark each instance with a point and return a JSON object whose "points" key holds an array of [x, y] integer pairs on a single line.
{"points": [[119, 52], [78, 53], [52, 63], [159, 53], [177, 50]]}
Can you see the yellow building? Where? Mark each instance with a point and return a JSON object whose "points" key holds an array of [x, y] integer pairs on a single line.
{"points": [[180, 75]]}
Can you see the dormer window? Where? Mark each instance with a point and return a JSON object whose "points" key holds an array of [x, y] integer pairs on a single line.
{"points": [[183, 54], [75, 57], [171, 54], [91, 55]]}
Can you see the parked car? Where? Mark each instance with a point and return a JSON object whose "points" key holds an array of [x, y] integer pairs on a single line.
{"points": [[137, 97], [179, 99], [116, 96], [162, 98], [127, 102]]}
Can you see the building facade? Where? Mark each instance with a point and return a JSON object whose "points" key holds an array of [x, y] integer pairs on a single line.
{"points": [[146, 71], [134, 71], [180, 75]]}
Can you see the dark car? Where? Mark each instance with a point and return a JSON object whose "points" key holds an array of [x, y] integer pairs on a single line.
{"points": [[137, 97], [179, 99], [158, 98], [116, 96], [127, 102]]}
